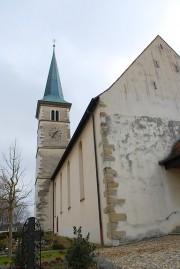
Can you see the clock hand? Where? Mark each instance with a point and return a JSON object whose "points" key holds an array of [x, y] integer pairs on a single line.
{"points": [[54, 134]]}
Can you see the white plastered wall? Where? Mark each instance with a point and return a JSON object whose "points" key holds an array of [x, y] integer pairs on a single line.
{"points": [[143, 108], [82, 213]]}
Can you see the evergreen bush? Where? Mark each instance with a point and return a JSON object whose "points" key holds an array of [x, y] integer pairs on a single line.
{"points": [[57, 246], [17, 259], [3, 235], [2, 246], [80, 254]]}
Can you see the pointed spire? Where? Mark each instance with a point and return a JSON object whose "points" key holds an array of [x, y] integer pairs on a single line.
{"points": [[53, 91]]}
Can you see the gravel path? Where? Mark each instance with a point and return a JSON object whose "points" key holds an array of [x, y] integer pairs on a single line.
{"points": [[156, 253]]}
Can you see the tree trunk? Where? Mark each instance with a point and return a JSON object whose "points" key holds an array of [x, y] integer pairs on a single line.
{"points": [[10, 232]]}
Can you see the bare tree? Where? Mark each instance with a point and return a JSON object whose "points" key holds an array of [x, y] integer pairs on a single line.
{"points": [[3, 217], [20, 215], [13, 192]]}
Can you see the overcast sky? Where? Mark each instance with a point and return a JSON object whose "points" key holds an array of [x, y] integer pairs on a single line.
{"points": [[96, 41]]}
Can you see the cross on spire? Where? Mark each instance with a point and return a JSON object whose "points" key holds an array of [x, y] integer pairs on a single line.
{"points": [[54, 42]]}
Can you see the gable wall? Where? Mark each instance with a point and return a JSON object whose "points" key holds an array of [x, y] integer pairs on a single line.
{"points": [[141, 123]]}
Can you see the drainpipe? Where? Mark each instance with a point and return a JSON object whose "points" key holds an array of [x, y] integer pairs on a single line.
{"points": [[53, 206], [97, 182]]}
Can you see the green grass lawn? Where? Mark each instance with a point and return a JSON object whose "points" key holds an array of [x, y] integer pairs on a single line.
{"points": [[45, 256], [4, 260]]}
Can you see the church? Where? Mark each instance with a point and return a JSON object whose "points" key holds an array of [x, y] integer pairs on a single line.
{"points": [[118, 176]]}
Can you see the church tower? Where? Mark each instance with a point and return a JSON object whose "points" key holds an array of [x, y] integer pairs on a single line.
{"points": [[53, 136]]}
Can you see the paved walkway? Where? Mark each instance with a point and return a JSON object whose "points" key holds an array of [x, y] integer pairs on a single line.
{"points": [[156, 253]]}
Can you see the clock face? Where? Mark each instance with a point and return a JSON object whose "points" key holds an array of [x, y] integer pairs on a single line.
{"points": [[55, 133]]}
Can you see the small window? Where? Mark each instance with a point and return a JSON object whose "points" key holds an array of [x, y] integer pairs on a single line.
{"points": [[161, 46], [177, 68], [154, 83], [81, 172], [57, 115], [52, 115], [156, 63]]}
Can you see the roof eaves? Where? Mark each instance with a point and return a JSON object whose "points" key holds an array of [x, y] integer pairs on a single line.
{"points": [[169, 158], [78, 131]]}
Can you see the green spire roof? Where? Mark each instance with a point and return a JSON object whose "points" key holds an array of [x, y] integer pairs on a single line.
{"points": [[53, 91]]}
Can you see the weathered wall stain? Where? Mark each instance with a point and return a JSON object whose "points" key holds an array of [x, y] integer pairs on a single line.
{"points": [[141, 143], [145, 129]]}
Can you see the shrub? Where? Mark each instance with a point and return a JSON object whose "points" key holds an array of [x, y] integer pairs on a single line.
{"points": [[57, 246], [3, 235], [80, 254], [17, 259], [2, 246], [17, 234]]}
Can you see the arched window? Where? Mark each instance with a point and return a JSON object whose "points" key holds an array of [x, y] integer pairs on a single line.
{"points": [[57, 225], [81, 172], [52, 115], [61, 200], [55, 200], [55, 115], [68, 186]]}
